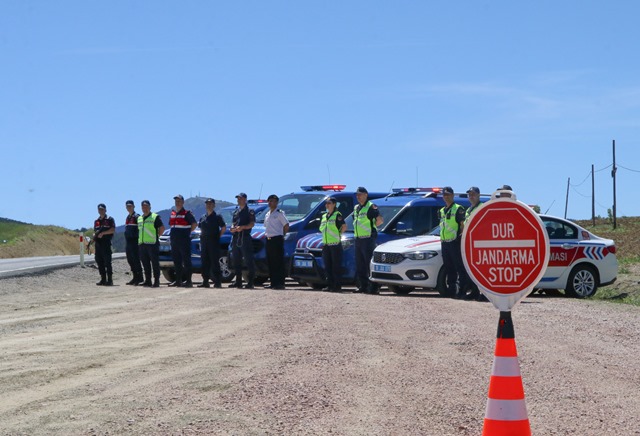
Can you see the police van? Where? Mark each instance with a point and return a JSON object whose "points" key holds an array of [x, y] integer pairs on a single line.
{"points": [[166, 261], [304, 211], [406, 212]]}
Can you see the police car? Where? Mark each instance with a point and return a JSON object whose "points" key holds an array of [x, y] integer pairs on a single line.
{"points": [[304, 211], [406, 212], [579, 261], [166, 261]]}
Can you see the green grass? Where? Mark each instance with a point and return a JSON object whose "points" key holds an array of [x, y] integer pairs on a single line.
{"points": [[10, 230], [614, 296]]}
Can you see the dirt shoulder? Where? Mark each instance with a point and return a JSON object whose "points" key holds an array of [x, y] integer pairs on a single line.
{"points": [[80, 359]]}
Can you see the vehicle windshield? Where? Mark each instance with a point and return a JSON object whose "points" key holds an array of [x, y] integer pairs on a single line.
{"points": [[227, 216], [295, 206], [435, 231], [387, 213]]}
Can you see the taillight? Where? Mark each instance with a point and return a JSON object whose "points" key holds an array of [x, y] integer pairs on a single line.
{"points": [[610, 249]]}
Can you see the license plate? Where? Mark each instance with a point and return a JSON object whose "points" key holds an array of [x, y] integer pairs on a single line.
{"points": [[303, 263], [382, 268]]}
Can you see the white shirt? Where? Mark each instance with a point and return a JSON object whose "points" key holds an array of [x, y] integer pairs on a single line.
{"points": [[274, 222]]}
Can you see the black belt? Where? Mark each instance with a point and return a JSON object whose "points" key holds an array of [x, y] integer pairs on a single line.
{"points": [[274, 237]]}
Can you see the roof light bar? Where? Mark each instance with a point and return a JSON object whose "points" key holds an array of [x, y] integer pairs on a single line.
{"points": [[323, 188]]}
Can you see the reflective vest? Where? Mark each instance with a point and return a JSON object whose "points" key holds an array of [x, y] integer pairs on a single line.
{"points": [[330, 232], [362, 226], [147, 233], [469, 211], [448, 225], [178, 220]]}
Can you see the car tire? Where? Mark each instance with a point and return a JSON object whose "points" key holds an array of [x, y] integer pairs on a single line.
{"points": [[441, 284], [400, 290], [582, 282], [225, 268], [169, 275]]}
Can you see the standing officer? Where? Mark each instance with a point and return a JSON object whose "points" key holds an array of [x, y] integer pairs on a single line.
{"points": [[473, 194], [276, 226], [103, 229], [182, 223], [131, 238], [150, 228], [366, 217], [241, 244], [213, 227], [451, 222], [332, 226]]}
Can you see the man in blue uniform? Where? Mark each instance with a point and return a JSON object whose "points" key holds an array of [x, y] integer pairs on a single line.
{"points": [[451, 222], [241, 244], [212, 227], [366, 217], [150, 228], [182, 223], [131, 239], [103, 229], [276, 226]]}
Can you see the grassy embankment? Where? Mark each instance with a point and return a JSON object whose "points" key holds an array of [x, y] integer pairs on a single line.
{"points": [[18, 239], [627, 239]]}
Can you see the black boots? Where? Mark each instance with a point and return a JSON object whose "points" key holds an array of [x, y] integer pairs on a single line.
{"points": [[205, 283], [103, 280], [109, 280]]}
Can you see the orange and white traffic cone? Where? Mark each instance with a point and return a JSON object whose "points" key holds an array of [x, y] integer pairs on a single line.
{"points": [[506, 413]]}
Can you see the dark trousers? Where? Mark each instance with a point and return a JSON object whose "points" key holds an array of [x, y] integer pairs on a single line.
{"points": [[181, 254], [454, 267], [133, 256], [242, 248], [150, 257], [332, 258], [364, 252], [103, 256], [210, 253], [275, 259]]}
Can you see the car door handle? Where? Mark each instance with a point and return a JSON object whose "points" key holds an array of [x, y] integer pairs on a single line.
{"points": [[567, 246]]}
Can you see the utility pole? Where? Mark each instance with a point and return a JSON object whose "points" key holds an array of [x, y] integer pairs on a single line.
{"points": [[613, 174], [566, 203], [593, 197]]}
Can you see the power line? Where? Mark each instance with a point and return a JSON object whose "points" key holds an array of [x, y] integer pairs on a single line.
{"points": [[602, 169], [585, 179], [579, 193], [628, 169]]}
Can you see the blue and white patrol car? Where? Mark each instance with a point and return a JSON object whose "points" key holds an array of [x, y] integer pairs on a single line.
{"points": [[579, 261], [166, 261], [406, 212]]}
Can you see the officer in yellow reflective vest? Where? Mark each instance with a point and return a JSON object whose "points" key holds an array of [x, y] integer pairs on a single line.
{"points": [[451, 222], [473, 194], [366, 217], [332, 226], [150, 228]]}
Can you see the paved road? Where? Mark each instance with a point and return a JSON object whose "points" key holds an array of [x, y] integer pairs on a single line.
{"points": [[30, 265]]}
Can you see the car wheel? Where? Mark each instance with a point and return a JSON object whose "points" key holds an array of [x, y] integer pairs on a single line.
{"points": [[441, 284], [169, 275], [400, 290], [225, 268], [582, 282]]}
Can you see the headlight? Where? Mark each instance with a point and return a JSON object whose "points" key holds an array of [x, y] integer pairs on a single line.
{"points": [[420, 255], [346, 243], [290, 235]]}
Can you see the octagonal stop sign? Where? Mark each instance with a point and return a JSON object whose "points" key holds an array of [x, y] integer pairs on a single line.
{"points": [[505, 249]]}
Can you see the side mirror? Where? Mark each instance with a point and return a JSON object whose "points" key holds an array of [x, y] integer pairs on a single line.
{"points": [[402, 228], [314, 223]]}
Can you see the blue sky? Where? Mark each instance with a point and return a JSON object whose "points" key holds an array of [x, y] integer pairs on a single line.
{"points": [[106, 101]]}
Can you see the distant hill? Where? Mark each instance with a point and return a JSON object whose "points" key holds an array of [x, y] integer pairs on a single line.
{"points": [[194, 204]]}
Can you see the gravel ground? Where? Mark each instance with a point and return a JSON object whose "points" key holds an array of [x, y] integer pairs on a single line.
{"points": [[76, 358]]}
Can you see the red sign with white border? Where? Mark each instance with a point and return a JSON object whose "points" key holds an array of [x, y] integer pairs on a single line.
{"points": [[505, 249]]}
